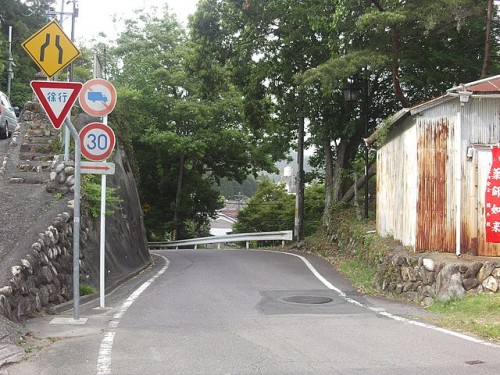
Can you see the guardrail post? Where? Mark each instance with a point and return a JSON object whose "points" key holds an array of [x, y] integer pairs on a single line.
{"points": [[248, 245]]}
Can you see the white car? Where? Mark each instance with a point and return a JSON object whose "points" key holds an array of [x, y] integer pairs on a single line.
{"points": [[8, 119]]}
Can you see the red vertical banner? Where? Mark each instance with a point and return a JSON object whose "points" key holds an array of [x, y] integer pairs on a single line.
{"points": [[492, 199]]}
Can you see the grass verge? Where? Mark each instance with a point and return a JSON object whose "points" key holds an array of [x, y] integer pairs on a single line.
{"points": [[357, 255], [479, 314]]}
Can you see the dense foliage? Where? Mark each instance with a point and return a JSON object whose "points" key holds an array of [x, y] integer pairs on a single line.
{"points": [[272, 208], [187, 128], [291, 60], [25, 18], [227, 98]]}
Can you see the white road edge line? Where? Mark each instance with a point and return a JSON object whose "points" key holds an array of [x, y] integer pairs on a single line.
{"points": [[385, 313], [104, 357]]}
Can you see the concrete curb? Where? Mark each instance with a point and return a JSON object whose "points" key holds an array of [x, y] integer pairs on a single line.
{"points": [[10, 354]]}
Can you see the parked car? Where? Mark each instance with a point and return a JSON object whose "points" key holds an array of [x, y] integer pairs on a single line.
{"points": [[8, 119]]}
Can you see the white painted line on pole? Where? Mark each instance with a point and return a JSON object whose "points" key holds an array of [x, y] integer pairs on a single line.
{"points": [[106, 348]]}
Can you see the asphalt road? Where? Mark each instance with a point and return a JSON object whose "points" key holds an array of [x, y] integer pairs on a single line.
{"points": [[249, 312]]}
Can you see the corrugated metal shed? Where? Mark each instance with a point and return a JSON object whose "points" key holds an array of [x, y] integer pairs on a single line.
{"points": [[432, 170]]}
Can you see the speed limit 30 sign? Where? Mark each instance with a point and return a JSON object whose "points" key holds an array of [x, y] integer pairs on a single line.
{"points": [[97, 140]]}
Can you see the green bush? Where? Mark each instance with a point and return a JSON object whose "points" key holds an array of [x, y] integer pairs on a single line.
{"points": [[91, 197], [86, 289]]}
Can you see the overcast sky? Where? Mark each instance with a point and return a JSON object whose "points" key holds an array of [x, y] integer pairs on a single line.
{"points": [[97, 15]]}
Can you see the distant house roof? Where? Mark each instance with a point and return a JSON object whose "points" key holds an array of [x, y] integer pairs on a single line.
{"points": [[486, 86], [222, 225], [219, 231]]}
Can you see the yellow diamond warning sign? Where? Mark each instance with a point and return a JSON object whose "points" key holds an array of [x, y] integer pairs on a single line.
{"points": [[51, 49]]}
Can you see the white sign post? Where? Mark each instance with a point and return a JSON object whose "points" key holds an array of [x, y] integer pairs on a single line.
{"points": [[98, 98], [98, 142]]}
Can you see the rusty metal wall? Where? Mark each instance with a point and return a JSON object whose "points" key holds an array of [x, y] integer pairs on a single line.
{"points": [[420, 210], [436, 197]]}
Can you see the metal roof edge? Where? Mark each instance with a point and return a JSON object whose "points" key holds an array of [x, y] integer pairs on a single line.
{"points": [[463, 86], [389, 123], [430, 103]]}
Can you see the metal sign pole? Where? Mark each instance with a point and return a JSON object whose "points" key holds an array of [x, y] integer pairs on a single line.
{"points": [[10, 73], [76, 221], [102, 244]]}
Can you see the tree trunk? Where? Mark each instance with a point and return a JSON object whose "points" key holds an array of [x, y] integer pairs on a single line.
{"points": [[487, 41], [338, 167], [344, 152], [396, 84], [349, 195], [178, 193]]}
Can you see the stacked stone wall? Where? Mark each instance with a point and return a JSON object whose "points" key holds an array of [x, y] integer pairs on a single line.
{"points": [[424, 279], [420, 277], [43, 277]]}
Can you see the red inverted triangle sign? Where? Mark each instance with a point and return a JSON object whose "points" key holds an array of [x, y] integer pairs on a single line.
{"points": [[56, 98]]}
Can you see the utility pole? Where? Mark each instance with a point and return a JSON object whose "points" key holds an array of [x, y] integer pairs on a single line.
{"points": [[73, 14], [299, 197], [366, 89], [239, 199], [10, 72]]}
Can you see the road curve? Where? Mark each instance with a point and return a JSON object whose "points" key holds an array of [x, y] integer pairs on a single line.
{"points": [[255, 312]]}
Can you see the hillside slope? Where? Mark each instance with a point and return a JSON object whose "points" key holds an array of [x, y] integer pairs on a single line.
{"points": [[28, 209]]}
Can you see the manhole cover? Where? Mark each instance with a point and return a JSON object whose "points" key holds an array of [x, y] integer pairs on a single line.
{"points": [[474, 362], [308, 300]]}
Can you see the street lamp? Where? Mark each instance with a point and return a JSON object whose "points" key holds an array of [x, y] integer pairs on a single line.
{"points": [[351, 94]]}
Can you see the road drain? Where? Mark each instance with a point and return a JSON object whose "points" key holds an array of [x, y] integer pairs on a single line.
{"points": [[308, 300], [474, 362]]}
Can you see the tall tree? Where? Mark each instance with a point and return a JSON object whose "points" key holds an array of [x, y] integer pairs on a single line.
{"points": [[488, 39], [414, 49], [25, 18], [186, 135], [265, 45]]}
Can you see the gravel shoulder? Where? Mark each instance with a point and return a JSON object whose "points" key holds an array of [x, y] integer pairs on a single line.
{"points": [[25, 210]]}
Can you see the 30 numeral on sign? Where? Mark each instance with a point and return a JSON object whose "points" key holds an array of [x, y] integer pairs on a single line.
{"points": [[97, 140]]}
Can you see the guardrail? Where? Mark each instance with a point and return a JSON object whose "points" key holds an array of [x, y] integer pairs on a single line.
{"points": [[282, 236]]}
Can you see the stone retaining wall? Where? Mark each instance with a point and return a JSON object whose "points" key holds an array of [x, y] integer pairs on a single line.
{"points": [[43, 278], [423, 278], [419, 277], [39, 271]]}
